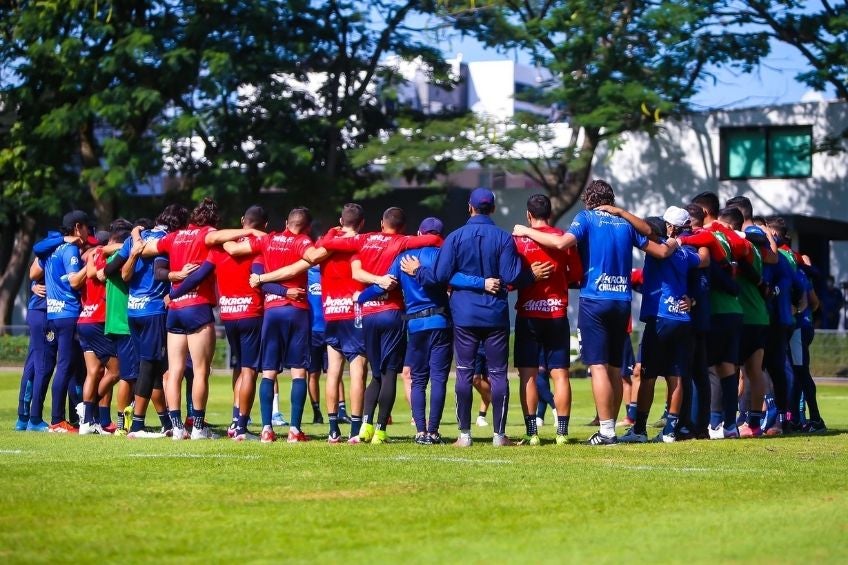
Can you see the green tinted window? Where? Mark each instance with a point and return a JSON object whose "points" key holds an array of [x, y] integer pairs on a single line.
{"points": [[790, 152], [746, 153]]}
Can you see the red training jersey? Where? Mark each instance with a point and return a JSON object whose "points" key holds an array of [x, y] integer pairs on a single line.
{"points": [[547, 298], [237, 300], [93, 297], [278, 250], [337, 284], [186, 246]]}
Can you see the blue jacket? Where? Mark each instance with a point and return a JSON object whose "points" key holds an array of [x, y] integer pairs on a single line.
{"points": [[482, 249]]}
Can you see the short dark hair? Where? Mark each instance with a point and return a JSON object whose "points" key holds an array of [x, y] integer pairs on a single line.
{"points": [[539, 206], [744, 205], [173, 217], [657, 225], [120, 224], [732, 216], [205, 213], [352, 215], [598, 193], [300, 218], [394, 218], [144, 223], [778, 224], [256, 217], [696, 213], [709, 202]]}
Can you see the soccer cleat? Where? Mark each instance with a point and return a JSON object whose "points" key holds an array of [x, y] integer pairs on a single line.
{"points": [[625, 423], [110, 428], [435, 438], [464, 440], [746, 431], [354, 440], [268, 436], [731, 433], [665, 438], [317, 419], [539, 422], [246, 436], [380, 437], [814, 427], [774, 431], [166, 432], [202, 433], [179, 434], [561, 439], [91, 429], [334, 438], [598, 439], [366, 433], [296, 437], [189, 423], [716, 433], [500, 440], [121, 432], [39, 427], [481, 422], [421, 438], [632, 436], [530, 440], [80, 410], [144, 434], [277, 419], [128, 414], [231, 431], [63, 427], [21, 425]]}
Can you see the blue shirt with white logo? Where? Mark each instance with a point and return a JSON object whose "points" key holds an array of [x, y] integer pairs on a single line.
{"points": [[666, 282], [146, 294], [62, 300], [37, 302], [313, 293], [605, 243]]}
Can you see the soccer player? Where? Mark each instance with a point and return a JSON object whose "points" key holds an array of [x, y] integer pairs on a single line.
{"points": [[36, 319], [190, 321], [480, 249], [800, 355], [382, 324], [604, 243], [429, 354], [480, 382], [64, 276]]}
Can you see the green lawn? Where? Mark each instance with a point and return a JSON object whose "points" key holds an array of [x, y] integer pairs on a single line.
{"points": [[104, 499]]}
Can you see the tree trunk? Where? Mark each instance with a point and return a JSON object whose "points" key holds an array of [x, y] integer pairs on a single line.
{"points": [[572, 177], [104, 204], [15, 270]]}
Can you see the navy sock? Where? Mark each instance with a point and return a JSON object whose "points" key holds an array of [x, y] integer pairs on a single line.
{"points": [[755, 417], [199, 421], [241, 425], [137, 423], [88, 412], [355, 425], [165, 420], [562, 425], [298, 401], [729, 400], [342, 409], [235, 413], [334, 424], [641, 425], [530, 425], [266, 400], [176, 419], [104, 415], [715, 419], [671, 421], [316, 407], [631, 411]]}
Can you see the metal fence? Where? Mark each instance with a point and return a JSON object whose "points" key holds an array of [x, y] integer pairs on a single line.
{"points": [[828, 352]]}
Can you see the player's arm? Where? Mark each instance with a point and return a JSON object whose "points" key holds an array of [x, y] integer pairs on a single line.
{"points": [[419, 241], [386, 282], [43, 248], [36, 271], [220, 237], [76, 274], [638, 223], [192, 279], [257, 276], [554, 241], [763, 241], [286, 273], [661, 250], [238, 248], [703, 257], [461, 281], [136, 253]]}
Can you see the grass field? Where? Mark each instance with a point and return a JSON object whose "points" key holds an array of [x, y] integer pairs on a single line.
{"points": [[103, 499]]}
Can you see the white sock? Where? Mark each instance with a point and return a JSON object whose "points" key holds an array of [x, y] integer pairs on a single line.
{"points": [[276, 408], [608, 428]]}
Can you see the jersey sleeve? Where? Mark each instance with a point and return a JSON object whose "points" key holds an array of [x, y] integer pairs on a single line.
{"points": [[71, 259], [417, 241], [461, 281], [257, 244], [639, 240], [693, 260], [579, 227], [343, 243], [164, 245]]}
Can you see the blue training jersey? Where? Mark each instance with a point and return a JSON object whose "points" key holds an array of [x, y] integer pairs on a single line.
{"points": [[37, 302], [313, 292], [605, 243], [146, 294], [666, 281], [62, 300]]}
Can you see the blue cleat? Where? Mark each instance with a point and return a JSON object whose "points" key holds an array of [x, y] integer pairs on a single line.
{"points": [[39, 427], [21, 425]]}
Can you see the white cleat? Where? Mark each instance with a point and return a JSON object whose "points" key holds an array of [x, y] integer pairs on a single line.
{"points": [[716, 433], [202, 433], [92, 429], [481, 422], [247, 436], [539, 422], [180, 434], [144, 434]]}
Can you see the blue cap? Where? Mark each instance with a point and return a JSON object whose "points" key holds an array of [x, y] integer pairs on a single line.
{"points": [[482, 198], [431, 225]]}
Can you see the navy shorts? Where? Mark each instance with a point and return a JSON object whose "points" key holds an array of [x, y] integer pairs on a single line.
{"points": [[753, 338], [148, 335], [93, 338], [480, 365], [286, 332], [190, 320], [346, 338], [318, 353], [602, 329], [542, 342], [244, 337], [127, 357], [628, 359], [385, 341], [666, 348], [723, 339]]}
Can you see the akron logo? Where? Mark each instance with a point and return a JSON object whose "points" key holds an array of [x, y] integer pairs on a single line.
{"points": [[50, 337]]}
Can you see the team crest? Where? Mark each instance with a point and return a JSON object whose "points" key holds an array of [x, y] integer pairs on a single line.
{"points": [[50, 336]]}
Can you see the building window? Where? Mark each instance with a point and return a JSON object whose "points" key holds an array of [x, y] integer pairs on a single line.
{"points": [[766, 152]]}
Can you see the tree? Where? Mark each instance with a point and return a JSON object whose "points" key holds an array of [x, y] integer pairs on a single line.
{"points": [[618, 66]]}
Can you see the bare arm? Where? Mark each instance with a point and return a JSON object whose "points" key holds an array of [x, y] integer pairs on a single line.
{"points": [[219, 237], [704, 255], [661, 250], [287, 272], [238, 248], [128, 268], [638, 223], [386, 282], [563, 241], [36, 273]]}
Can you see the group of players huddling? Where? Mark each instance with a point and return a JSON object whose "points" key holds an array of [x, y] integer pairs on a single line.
{"points": [[721, 292]]}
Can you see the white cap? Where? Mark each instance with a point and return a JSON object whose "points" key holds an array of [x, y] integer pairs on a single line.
{"points": [[678, 217]]}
